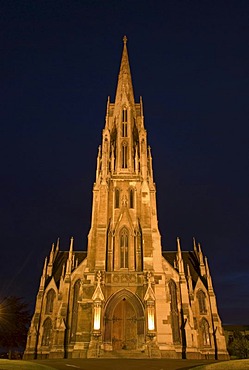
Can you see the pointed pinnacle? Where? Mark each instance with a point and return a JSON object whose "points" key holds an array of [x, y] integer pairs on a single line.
{"points": [[71, 244], [207, 267], [45, 266], [51, 257], [57, 244], [194, 243], [125, 40], [178, 245], [199, 248]]}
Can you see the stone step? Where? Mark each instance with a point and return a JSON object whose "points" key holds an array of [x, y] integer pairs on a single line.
{"points": [[129, 354]]}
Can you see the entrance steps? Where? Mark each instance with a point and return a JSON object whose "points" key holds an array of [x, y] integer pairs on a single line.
{"points": [[135, 353]]}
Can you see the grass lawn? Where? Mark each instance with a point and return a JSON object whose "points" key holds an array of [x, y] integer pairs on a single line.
{"points": [[22, 365], [226, 365], [121, 364]]}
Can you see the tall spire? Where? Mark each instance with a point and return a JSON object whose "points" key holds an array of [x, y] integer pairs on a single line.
{"points": [[124, 86]]}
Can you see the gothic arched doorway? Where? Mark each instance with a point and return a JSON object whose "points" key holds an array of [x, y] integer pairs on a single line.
{"points": [[124, 322], [124, 329]]}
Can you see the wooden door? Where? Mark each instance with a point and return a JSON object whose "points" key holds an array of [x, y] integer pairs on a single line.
{"points": [[124, 329]]}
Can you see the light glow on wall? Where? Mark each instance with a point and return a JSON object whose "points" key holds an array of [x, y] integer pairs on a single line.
{"points": [[151, 320], [97, 315]]}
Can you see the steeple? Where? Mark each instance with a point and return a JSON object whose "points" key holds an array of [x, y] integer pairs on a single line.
{"points": [[124, 87], [124, 197]]}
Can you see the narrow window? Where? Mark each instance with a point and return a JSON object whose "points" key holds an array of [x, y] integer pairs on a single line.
{"points": [[47, 330], [124, 129], [205, 332], [124, 248], [131, 198], [124, 155], [124, 115], [124, 123], [76, 291], [143, 146], [50, 302], [202, 302], [117, 197], [174, 312]]}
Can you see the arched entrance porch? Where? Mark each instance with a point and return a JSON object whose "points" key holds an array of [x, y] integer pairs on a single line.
{"points": [[124, 324]]}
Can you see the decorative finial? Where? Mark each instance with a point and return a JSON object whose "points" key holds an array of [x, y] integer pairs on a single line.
{"points": [[125, 40]]}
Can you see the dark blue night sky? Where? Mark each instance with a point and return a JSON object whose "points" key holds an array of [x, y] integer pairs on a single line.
{"points": [[190, 62]]}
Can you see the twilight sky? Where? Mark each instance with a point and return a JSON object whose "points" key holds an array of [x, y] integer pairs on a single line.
{"points": [[190, 62]]}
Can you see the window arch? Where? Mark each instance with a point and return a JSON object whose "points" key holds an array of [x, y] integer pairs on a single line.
{"points": [[124, 243], [131, 198], [174, 312], [50, 302], [117, 198], [202, 302], [76, 291], [205, 332], [124, 150], [47, 331]]}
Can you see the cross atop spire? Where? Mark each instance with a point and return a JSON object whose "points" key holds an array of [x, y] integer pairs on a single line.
{"points": [[125, 39]]}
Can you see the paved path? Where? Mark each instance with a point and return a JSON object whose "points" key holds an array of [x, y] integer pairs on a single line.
{"points": [[122, 364]]}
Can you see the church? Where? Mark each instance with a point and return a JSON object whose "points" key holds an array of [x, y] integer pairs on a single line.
{"points": [[125, 296]]}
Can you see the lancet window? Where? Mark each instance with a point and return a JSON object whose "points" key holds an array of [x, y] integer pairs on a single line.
{"points": [[124, 123], [202, 302], [117, 198], [76, 290], [205, 332], [124, 155], [47, 330], [50, 301], [124, 243], [131, 198], [124, 129], [174, 312], [124, 115]]}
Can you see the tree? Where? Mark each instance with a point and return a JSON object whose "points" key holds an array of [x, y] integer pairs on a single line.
{"points": [[239, 345], [14, 322]]}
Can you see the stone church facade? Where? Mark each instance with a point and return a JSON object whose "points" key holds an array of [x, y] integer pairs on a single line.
{"points": [[125, 296]]}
